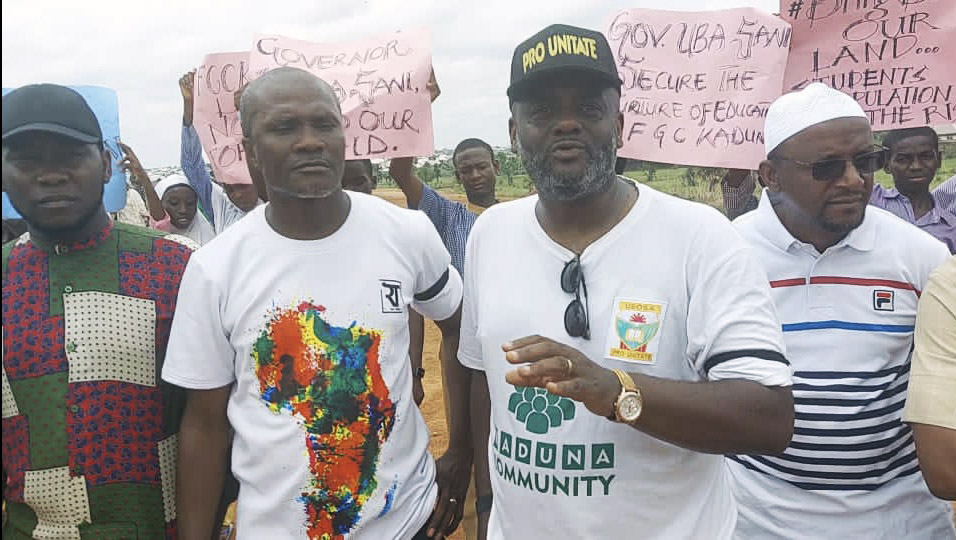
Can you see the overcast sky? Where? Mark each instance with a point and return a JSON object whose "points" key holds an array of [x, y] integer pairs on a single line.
{"points": [[141, 49]]}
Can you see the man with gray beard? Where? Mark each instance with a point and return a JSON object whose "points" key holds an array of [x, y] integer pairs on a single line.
{"points": [[633, 342]]}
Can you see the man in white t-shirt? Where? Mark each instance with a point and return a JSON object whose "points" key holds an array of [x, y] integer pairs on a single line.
{"points": [[845, 278], [633, 340], [294, 324]]}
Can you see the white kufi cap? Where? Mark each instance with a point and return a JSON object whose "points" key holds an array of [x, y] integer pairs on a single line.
{"points": [[170, 181], [794, 112]]}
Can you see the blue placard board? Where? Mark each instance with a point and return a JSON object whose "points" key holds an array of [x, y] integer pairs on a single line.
{"points": [[105, 105]]}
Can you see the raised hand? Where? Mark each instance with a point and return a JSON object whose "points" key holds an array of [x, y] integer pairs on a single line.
{"points": [[186, 88], [186, 83], [433, 90], [131, 164]]}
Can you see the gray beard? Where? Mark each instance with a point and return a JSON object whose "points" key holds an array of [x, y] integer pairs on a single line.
{"points": [[839, 228], [598, 174]]}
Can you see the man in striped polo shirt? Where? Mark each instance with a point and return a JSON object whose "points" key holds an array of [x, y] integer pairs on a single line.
{"points": [[846, 279]]}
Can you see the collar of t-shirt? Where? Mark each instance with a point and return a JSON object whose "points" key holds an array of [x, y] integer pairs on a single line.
{"points": [[862, 238], [593, 252], [62, 248]]}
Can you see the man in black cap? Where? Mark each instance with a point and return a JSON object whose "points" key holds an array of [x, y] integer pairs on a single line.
{"points": [[651, 343], [89, 429]]}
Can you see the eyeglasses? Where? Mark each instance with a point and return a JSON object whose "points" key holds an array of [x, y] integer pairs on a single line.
{"points": [[828, 170], [576, 321]]}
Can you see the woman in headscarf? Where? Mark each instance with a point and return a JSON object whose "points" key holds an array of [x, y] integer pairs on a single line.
{"points": [[172, 203]]}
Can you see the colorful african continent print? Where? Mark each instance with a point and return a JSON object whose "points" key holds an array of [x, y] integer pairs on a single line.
{"points": [[329, 378]]}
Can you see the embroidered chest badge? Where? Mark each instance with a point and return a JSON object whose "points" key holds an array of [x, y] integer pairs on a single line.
{"points": [[634, 335]]}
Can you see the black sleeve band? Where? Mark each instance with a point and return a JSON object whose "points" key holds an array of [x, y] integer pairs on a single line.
{"points": [[483, 504], [752, 353], [433, 291]]}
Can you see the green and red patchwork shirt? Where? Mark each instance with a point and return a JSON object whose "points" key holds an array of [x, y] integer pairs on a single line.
{"points": [[89, 427]]}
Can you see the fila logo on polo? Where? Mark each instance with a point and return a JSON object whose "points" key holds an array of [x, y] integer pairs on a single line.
{"points": [[883, 300], [391, 295]]}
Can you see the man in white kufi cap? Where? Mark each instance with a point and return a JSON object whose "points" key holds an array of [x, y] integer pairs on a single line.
{"points": [[845, 279]]}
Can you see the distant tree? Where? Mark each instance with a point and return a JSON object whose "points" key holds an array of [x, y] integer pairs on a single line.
{"points": [[510, 165], [424, 173]]}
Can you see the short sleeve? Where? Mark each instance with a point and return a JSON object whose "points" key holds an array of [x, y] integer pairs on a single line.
{"points": [[733, 331], [931, 398], [437, 290], [469, 346], [199, 355]]}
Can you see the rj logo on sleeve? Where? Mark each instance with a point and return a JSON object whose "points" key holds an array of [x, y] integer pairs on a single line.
{"points": [[391, 296]]}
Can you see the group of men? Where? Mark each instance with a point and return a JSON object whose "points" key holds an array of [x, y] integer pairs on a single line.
{"points": [[617, 361]]}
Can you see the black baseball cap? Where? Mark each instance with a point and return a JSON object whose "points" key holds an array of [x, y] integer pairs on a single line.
{"points": [[51, 108], [562, 48]]}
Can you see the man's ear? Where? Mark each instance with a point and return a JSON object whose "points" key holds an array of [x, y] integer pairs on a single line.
{"points": [[107, 158], [454, 169], [513, 133], [250, 152], [768, 176], [620, 130]]}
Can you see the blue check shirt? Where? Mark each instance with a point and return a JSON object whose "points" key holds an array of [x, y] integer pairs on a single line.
{"points": [[453, 221]]}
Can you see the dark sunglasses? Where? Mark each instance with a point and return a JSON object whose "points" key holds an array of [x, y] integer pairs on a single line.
{"points": [[828, 170], [576, 322]]}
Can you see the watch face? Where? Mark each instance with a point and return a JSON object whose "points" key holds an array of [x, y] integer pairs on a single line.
{"points": [[629, 408]]}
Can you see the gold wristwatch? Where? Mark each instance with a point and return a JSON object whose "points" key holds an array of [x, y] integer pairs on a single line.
{"points": [[629, 403]]}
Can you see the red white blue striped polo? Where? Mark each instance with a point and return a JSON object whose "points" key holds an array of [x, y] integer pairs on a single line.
{"points": [[848, 316]]}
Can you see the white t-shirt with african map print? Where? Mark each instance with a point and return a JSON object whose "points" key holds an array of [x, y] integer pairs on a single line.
{"points": [[673, 292], [313, 336]]}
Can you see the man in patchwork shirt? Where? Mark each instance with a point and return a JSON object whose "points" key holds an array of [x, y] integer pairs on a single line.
{"points": [[89, 428]]}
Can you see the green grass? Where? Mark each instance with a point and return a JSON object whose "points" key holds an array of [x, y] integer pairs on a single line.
{"points": [[670, 180]]}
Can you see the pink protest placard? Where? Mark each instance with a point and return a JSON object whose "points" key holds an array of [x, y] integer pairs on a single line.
{"points": [[215, 117], [380, 84], [697, 85], [897, 58]]}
